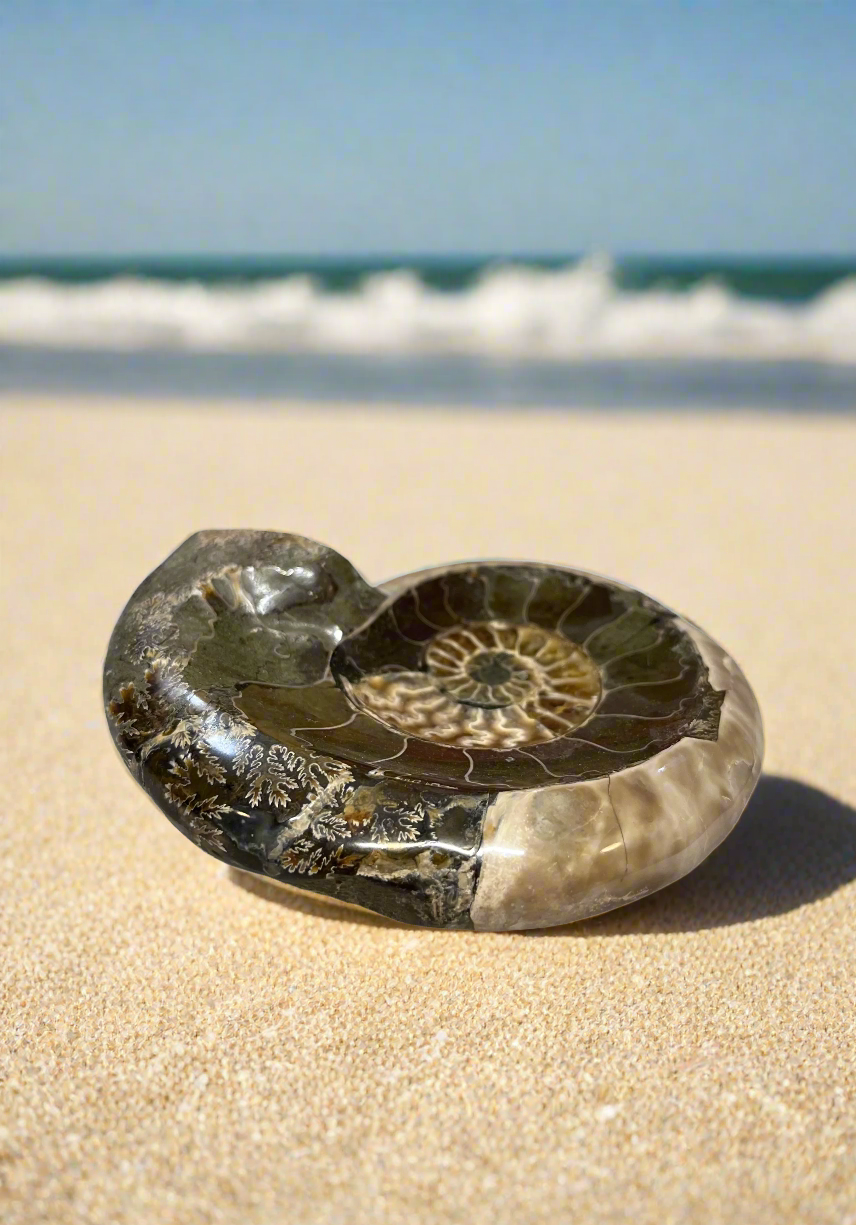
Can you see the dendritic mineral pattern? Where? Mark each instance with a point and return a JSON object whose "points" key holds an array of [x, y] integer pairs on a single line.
{"points": [[496, 745]]}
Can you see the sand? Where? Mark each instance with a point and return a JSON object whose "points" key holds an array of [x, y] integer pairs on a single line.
{"points": [[179, 1048]]}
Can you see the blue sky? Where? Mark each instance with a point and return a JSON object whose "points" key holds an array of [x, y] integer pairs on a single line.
{"points": [[418, 125]]}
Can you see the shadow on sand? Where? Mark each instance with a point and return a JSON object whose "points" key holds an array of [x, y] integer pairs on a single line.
{"points": [[793, 845]]}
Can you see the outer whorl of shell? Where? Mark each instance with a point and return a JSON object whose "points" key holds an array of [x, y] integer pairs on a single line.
{"points": [[494, 744]]}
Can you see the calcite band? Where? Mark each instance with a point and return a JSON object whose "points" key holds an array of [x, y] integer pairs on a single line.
{"points": [[489, 745]]}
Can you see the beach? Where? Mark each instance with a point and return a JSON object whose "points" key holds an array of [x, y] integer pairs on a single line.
{"points": [[180, 1046]]}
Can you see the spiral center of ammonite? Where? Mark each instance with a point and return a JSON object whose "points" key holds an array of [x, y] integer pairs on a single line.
{"points": [[487, 685], [492, 668], [482, 666]]}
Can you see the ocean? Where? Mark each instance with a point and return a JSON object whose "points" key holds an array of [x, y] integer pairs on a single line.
{"points": [[558, 331]]}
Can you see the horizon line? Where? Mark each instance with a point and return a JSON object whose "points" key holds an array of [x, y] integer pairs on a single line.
{"points": [[425, 256]]}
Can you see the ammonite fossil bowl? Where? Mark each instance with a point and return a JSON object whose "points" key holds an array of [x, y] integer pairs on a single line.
{"points": [[490, 745]]}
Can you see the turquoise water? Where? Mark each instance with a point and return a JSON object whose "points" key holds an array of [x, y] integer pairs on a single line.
{"points": [[788, 279]]}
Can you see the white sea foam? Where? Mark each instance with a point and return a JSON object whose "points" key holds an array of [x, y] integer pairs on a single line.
{"points": [[571, 314]]}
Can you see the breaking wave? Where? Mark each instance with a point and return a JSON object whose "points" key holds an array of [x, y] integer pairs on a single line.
{"points": [[575, 313]]}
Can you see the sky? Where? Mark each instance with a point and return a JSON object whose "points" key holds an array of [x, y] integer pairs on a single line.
{"points": [[389, 126]]}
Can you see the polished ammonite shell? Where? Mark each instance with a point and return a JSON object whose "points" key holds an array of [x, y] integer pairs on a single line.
{"points": [[493, 744]]}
